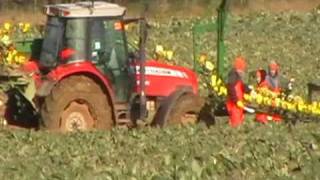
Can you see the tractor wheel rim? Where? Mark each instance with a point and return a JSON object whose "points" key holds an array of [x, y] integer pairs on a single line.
{"points": [[76, 116]]}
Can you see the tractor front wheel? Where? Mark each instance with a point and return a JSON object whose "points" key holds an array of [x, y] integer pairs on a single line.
{"points": [[183, 110], [76, 103]]}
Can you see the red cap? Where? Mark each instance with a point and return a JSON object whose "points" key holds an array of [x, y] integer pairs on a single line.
{"points": [[274, 66], [240, 64]]}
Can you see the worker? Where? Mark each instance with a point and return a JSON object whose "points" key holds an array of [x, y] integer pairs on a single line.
{"points": [[261, 76], [236, 90], [273, 83], [272, 77], [261, 84]]}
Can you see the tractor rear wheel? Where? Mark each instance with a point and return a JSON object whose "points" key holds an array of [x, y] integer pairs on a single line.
{"points": [[76, 103], [181, 111]]}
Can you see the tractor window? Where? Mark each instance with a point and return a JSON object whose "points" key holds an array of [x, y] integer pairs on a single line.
{"points": [[116, 46], [75, 37], [52, 42], [108, 44], [109, 53]]}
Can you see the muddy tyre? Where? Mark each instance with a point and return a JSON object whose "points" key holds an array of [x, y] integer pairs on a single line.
{"points": [[183, 110], [3, 103], [76, 103]]}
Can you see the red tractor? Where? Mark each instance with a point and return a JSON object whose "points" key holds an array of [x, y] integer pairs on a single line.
{"points": [[86, 79]]}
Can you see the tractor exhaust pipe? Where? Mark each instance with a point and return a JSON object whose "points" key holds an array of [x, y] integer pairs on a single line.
{"points": [[92, 4], [142, 56], [221, 21]]}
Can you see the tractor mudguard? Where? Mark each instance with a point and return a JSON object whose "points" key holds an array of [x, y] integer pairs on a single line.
{"points": [[163, 111], [80, 68]]}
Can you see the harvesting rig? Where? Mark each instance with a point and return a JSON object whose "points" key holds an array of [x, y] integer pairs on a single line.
{"points": [[292, 108], [81, 75]]}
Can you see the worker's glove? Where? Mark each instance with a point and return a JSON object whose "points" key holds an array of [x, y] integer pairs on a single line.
{"points": [[253, 94], [240, 104], [290, 84], [249, 110]]}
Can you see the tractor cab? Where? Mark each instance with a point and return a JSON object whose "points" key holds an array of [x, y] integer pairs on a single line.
{"points": [[85, 31]]}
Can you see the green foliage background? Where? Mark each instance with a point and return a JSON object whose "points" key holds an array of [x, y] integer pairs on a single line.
{"points": [[250, 152], [289, 38]]}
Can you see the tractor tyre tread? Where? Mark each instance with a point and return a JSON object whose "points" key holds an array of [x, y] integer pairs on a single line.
{"points": [[185, 103], [66, 91]]}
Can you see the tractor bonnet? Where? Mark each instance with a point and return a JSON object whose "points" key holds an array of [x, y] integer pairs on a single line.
{"points": [[85, 9]]}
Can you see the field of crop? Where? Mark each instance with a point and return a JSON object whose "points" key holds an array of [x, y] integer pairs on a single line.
{"points": [[289, 38], [250, 152], [253, 151]]}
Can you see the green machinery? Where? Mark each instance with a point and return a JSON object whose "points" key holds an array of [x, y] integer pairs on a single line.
{"points": [[215, 30], [211, 27]]}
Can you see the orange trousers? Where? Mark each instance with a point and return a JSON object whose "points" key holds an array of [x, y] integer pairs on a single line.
{"points": [[236, 114], [263, 118]]}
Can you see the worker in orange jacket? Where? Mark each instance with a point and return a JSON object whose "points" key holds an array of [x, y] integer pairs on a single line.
{"points": [[262, 83], [236, 90], [273, 83], [261, 76]]}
